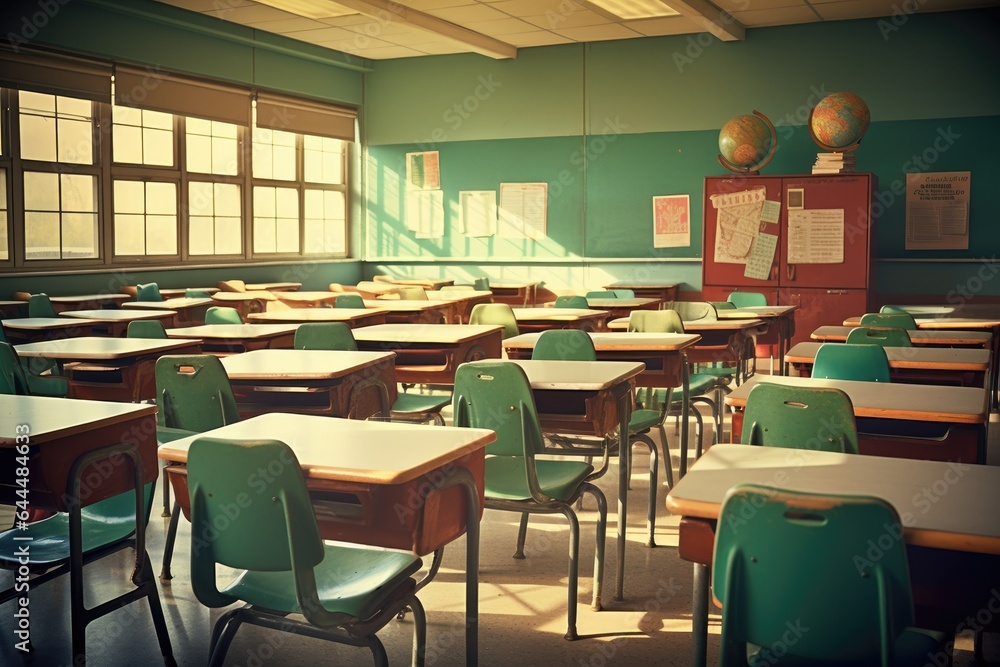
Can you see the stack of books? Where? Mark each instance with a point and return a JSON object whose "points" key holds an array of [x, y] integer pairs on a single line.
{"points": [[834, 163]]}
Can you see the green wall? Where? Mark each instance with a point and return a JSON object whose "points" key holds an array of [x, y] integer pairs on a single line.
{"points": [[609, 125]]}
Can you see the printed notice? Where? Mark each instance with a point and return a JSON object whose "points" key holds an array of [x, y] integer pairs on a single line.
{"points": [[523, 209], [425, 213], [816, 236], [770, 212], [671, 221], [423, 171], [738, 223], [478, 212], [761, 257], [937, 211]]}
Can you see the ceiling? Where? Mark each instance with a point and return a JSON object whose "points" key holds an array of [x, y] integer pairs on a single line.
{"points": [[380, 29]]}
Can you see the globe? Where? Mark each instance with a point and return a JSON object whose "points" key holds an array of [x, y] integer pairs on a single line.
{"points": [[839, 121], [747, 143]]}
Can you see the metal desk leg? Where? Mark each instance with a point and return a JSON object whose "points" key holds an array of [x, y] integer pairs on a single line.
{"points": [[699, 613], [461, 476], [685, 406], [623, 450]]}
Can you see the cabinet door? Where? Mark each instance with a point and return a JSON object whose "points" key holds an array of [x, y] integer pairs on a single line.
{"points": [[850, 194], [819, 307], [725, 273]]}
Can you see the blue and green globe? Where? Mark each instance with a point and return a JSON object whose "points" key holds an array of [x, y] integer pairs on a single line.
{"points": [[839, 121], [747, 143]]}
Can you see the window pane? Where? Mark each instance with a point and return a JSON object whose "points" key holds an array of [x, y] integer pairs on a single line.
{"points": [[158, 147], [200, 235], [79, 235], [38, 138], [75, 141], [70, 106], [224, 159], [4, 252], [38, 102], [284, 163], [263, 202], [129, 197], [41, 235], [199, 126], [288, 234], [215, 219], [127, 144], [126, 115], [324, 160], [199, 153], [227, 199], [41, 191], [157, 119], [274, 154], [154, 233], [161, 198], [161, 235], [78, 192], [200, 198], [276, 220], [228, 236], [325, 222], [212, 147], [130, 238], [263, 235]]}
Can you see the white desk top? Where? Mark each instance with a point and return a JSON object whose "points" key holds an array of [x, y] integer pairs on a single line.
{"points": [[942, 322], [170, 304], [80, 298], [44, 323], [617, 341], [917, 336], [407, 305], [316, 314], [424, 333], [101, 347], [351, 450], [633, 302], [108, 315], [50, 418], [299, 364], [458, 294], [955, 519], [251, 295], [578, 375], [556, 314], [926, 358], [756, 312], [232, 331]]}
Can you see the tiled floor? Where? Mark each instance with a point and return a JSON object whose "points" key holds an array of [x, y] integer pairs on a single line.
{"points": [[522, 603]]}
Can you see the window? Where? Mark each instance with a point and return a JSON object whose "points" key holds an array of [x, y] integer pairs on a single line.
{"points": [[273, 154], [326, 221], [56, 128], [212, 147], [60, 216], [275, 219], [142, 136], [145, 218], [324, 160], [214, 225]]}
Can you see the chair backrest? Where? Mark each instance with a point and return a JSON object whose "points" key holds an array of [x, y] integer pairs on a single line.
{"points": [[324, 336], [624, 293], [192, 293], [572, 301], [278, 535], [382, 278], [40, 306], [777, 415], [887, 337], [895, 320], [564, 345], [349, 301], [222, 315], [768, 545], [148, 292], [888, 308], [12, 379], [495, 313], [723, 305], [146, 329], [457, 288], [747, 299], [412, 292], [482, 284], [602, 294], [655, 321], [692, 311], [497, 395], [844, 361], [193, 393], [232, 285]]}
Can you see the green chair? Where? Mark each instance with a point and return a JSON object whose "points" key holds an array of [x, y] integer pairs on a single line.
{"points": [[346, 592], [39, 305], [193, 395], [564, 345], [778, 415], [148, 292], [496, 395], [482, 284], [723, 305], [197, 294], [792, 576], [349, 301], [894, 320], [877, 336], [146, 329], [892, 309], [567, 301], [843, 361], [338, 336], [601, 294], [66, 541], [495, 313], [222, 315], [624, 293], [17, 379], [412, 293], [747, 299], [694, 311]]}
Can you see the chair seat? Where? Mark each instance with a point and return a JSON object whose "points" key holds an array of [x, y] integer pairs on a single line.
{"points": [[912, 648], [352, 579], [644, 419], [698, 383], [416, 403], [43, 385], [505, 478]]}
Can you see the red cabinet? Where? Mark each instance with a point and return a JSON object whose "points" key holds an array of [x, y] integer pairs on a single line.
{"points": [[824, 256]]}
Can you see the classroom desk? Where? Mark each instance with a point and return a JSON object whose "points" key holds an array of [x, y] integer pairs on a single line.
{"points": [[581, 397], [179, 292], [920, 421], [431, 353], [109, 369], [937, 365], [662, 292], [623, 307], [88, 301], [426, 283], [540, 319], [273, 287], [361, 473], [314, 299], [110, 448], [32, 329], [320, 382], [190, 311], [953, 526], [416, 310], [780, 321], [254, 301], [664, 355], [352, 317], [515, 293], [371, 289], [13, 308], [465, 300], [234, 338], [115, 322], [919, 337]]}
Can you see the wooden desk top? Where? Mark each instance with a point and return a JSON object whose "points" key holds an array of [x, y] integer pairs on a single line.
{"points": [[170, 304], [513, 284], [101, 348], [942, 322], [372, 287], [407, 305], [450, 334], [621, 324], [300, 297], [951, 519], [613, 341], [429, 283], [179, 292], [316, 314], [109, 315], [838, 334], [274, 287], [45, 323], [578, 375], [763, 312], [351, 450], [557, 314], [300, 364], [925, 358], [251, 295], [232, 331], [626, 284], [898, 400], [82, 298], [458, 294], [51, 419], [608, 304]]}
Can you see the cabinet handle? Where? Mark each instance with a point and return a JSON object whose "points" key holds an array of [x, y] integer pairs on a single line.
{"points": [[774, 272], [790, 272]]}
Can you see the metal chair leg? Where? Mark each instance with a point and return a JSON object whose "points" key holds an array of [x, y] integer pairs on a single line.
{"points": [[168, 547]]}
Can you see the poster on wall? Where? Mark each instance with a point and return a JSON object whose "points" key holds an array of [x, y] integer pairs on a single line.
{"points": [[478, 212], [523, 210], [738, 224], [425, 213], [672, 221], [423, 171], [937, 211], [816, 236]]}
